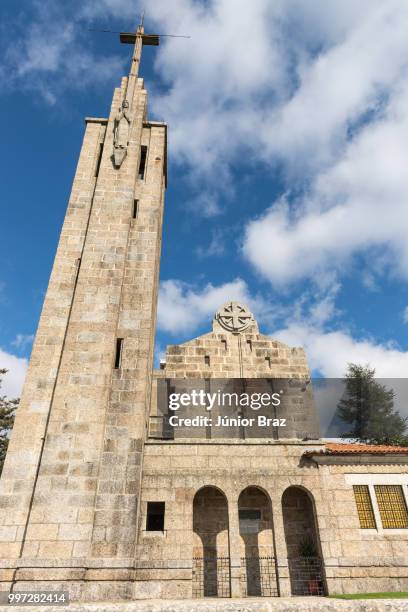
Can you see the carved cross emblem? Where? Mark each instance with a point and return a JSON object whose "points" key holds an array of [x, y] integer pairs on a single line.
{"points": [[234, 317]]}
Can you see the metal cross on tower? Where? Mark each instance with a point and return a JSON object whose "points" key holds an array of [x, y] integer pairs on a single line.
{"points": [[138, 39]]}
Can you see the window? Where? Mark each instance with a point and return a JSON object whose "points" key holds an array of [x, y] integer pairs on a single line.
{"points": [[155, 516], [381, 500], [207, 360], [392, 506], [142, 165], [224, 343], [249, 345], [135, 207], [364, 507], [118, 354], [268, 361]]}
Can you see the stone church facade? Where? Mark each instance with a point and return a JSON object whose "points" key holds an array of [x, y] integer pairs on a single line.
{"points": [[99, 498]]}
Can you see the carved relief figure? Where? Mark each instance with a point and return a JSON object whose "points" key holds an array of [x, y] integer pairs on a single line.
{"points": [[121, 134]]}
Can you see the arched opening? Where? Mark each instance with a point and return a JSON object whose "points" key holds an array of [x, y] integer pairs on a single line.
{"points": [[211, 562], [303, 543], [258, 558]]}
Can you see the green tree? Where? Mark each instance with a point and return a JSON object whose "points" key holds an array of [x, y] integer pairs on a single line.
{"points": [[7, 413], [368, 408]]}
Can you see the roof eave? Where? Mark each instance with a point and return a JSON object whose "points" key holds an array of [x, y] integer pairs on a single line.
{"points": [[359, 459]]}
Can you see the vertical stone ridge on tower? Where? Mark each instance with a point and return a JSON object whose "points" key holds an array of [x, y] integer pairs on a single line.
{"points": [[71, 480]]}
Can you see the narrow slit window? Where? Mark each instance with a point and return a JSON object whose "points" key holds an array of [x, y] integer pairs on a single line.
{"points": [[98, 161], [78, 267], [135, 208], [118, 354], [155, 516], [268, 361], [224, 344], [249, 345], [207, 360], [364, 507], [142, 165]]}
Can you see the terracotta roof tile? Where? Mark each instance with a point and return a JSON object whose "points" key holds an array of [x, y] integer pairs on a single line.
{"points": [[340, 448]]}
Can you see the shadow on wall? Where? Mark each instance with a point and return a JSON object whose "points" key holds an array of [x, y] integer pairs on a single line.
{"points": [[305, 560], [258, 558], [211, 573]]}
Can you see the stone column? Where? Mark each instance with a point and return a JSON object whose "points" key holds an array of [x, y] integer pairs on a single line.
{"points": [[280, 545], [234, 545]]}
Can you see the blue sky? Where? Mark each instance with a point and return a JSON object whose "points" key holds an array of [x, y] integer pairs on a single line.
{"points": [[288, 156]]}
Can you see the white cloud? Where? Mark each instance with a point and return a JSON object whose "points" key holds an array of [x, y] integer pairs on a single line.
{"points": [[329, 351], [357, 205], [21, 341], [315, 86], [52, 55], [215, 247], [248, 77], [183, 308], [340, 85], [322, 304], [205, 203], [307, 71], [267, 80], [330, 346], [12, 382]]}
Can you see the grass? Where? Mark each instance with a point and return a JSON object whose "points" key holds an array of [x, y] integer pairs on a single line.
{"points": [[397, 595]]}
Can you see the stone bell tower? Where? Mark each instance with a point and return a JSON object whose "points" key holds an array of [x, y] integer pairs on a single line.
{"points": [[69, 492]]}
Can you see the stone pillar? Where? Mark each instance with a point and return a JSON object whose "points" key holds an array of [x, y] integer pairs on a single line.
{"points": [[234, 545], [280, 545]]}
